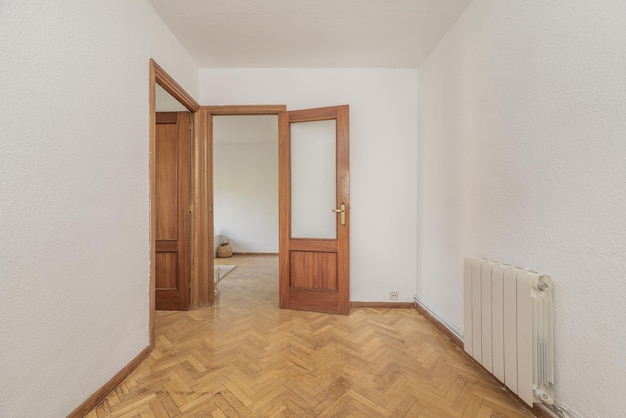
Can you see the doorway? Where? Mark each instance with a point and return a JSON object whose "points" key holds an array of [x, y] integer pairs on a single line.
{"points": [[245, 183], [214, 112]]}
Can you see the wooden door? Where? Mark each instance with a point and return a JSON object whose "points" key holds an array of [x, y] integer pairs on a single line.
{"points": [[172, 203], [314, 200]]}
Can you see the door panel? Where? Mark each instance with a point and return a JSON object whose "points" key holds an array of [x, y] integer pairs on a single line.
{"points": [[172, 198], [314, 181], [323, 267], [167, 267], [166, 179]]}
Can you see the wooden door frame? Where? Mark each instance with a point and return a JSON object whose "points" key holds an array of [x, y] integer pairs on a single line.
{"points": [[201, 273], [235, 110]]}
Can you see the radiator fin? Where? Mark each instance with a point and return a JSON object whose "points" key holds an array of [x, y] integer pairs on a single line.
{"points": [[510, 329], [497, 316], [486, 342]]}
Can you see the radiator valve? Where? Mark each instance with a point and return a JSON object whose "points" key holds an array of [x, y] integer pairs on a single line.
{"points": [[544, 397], [543, 283]]}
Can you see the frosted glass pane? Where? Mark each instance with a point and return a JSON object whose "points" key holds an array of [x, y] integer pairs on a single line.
{"points": [[313, 180]]}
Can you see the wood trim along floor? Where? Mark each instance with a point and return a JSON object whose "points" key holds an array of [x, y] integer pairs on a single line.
{"points": [[99, 395], [441, 327], [381, 304]]}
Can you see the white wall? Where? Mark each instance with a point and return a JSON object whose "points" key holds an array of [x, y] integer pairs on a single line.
{"points": [[383, 157], [74, 206], [522, 112], [165, 102], [246, 196]]}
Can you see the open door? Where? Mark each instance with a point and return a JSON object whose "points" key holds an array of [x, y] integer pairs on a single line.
{"points": [[314, 201], [172, 164]]}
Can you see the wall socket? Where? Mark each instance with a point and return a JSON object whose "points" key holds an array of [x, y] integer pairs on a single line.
{"points": [[393, 295]]}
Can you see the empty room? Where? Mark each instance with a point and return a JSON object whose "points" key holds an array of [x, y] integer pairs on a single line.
{"points": [[441, 233]]}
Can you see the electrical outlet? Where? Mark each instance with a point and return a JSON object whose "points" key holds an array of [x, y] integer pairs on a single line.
{"points": [[393, 295]]}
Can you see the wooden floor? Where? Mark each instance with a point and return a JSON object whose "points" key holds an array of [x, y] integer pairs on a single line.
{"points": [[245, 357]]}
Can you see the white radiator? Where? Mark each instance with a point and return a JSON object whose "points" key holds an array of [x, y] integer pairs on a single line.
{"points": [[509, 327]]}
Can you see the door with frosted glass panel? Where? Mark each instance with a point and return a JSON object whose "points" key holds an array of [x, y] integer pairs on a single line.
{"points": [[314, 199]]}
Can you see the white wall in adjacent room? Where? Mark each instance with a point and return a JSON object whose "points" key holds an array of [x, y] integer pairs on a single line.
{"points": [[522, 127], [75, 205], [383, 157], [245, 190]]}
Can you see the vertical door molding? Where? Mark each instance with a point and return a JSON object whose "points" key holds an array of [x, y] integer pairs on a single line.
{"points": [[201, 216]]}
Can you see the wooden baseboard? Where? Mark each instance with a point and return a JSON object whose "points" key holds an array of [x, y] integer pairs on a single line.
{"points": [[101, 393], [381, 304], [441, 327]]}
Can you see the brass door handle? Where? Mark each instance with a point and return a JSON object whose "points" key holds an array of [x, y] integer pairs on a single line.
{"points": [[342, 211]]}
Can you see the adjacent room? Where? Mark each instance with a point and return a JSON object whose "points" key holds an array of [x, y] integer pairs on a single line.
{"points": [[245, 183]]}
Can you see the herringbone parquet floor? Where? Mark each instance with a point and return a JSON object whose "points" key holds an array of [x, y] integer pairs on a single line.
{"points": [[246, 358]]}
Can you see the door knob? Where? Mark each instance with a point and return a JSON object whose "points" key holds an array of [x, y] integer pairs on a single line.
{"points": [[342, 211]]}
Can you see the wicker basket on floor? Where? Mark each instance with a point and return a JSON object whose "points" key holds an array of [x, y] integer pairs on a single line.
{"points": [[224, 250]]}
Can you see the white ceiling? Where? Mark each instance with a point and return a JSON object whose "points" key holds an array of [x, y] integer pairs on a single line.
{"points": [[309, 33]]}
